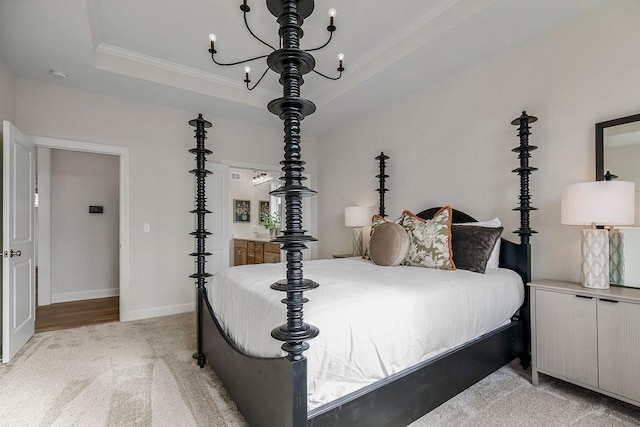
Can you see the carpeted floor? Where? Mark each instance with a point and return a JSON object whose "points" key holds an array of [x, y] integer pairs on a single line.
{"points": [[142, 373]]}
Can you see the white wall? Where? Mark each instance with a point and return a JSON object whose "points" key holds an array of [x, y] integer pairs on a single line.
{"points": [[84, 246], [450, 143], [161, 189], [7, 92]]}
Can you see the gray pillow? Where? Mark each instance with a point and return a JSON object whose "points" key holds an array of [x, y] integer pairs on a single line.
{"points": [[472, 246], [389, 244]]}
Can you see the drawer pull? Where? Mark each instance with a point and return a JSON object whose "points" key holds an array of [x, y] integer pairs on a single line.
{"points": [[583, 296], [609, 300]]}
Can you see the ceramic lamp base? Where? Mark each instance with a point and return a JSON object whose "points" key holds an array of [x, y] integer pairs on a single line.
{"points": [[616, 257], [357, 241], [595, 258]]}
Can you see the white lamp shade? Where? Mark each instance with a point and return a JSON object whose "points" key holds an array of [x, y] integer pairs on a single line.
{"points": [[357, 216], [598, 202]]}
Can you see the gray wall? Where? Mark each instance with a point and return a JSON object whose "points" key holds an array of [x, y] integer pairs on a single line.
{"points": [[84, 246], [161, 189], [451, 143], [7, 93]]}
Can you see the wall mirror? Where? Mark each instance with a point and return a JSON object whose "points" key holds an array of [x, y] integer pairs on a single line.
{"points": [[618, 157], [618, 149]]}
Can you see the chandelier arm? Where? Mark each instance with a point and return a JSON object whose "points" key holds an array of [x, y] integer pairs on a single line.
{"points": [[259, 80], [324, 45], [254, 36], [328, 77], [236, 63]]}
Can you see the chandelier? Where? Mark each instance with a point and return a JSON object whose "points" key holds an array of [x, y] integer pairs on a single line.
{"points": [[291, 63], [305, 9]]}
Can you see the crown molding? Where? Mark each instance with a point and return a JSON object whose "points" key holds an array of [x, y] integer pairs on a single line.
{"points": [[134, 64]]}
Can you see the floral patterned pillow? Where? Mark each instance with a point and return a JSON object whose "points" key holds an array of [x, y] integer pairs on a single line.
{"points": [[430, 240]]}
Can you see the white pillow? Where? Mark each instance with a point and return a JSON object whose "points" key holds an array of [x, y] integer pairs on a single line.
{"points": [[494, 259]]}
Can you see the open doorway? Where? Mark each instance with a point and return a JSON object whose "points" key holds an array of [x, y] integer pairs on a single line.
{"points": [[78, 212], [249, 188], [105, 298]]}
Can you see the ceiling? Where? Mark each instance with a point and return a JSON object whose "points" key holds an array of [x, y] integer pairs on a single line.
{"points": [[156, 51]]}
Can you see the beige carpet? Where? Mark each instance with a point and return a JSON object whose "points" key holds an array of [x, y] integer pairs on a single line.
{"points": [[142, 373]]}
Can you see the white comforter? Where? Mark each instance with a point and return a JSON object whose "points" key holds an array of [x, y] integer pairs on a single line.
{"points": [[374, 321]]}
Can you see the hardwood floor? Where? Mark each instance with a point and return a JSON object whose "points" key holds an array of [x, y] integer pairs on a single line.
{"points": [[73, 314]]}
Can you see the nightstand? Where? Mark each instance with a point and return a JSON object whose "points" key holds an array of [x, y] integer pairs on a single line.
{"points": [[587, 337], [343, 256]]}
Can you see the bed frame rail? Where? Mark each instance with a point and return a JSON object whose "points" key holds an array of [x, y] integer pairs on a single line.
{"points": [[268, 391], [388, 402]]}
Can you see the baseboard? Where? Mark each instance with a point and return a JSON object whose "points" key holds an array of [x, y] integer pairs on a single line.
{"points": [[82, 295], [147, 313]]}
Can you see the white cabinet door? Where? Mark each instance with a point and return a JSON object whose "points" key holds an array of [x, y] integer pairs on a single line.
{"points": [[619, 347], [566, 339]]}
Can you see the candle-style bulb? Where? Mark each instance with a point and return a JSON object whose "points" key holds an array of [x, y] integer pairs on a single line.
{"points": [[247, 69], [212, 39], [341, 57], [332, 14]]}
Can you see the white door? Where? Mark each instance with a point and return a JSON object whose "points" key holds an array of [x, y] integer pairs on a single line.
{"points": [[217, 223], [18, 267]]}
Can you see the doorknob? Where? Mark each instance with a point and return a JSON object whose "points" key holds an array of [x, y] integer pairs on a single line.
{"points": [[12, 253]]}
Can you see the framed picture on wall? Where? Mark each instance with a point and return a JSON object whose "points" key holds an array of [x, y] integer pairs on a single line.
{"points": [[241, 210], [264, 208]]}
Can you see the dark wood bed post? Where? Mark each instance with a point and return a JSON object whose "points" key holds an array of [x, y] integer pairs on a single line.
{"points": [[525, 230], [200, 233], [292, 63], [382, 159]]}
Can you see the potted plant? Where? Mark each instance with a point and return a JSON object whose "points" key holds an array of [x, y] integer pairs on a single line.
{"points": [[271, 223]]}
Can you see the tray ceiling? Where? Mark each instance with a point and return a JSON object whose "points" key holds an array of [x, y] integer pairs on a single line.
{"points": [[156, 51]]}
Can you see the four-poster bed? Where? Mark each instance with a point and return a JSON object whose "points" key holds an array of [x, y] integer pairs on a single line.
{"points": [[273, 391], [271, 388]]}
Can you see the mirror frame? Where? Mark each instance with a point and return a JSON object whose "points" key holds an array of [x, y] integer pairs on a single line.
{"points": [[600, 127]]}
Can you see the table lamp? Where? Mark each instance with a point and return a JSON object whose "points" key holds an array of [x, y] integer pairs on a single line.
{"points": [[605, 203], [358, 217]]}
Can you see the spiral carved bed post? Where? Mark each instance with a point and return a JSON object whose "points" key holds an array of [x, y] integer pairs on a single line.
{"points": [[200, 233], [382, 158], [292, 63], [525, 208]]}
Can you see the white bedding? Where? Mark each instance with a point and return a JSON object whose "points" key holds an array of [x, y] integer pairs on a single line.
{"points": [[374, 321]]}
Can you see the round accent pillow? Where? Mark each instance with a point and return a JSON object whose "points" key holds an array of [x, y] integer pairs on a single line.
{"points": [[389, 244]]}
